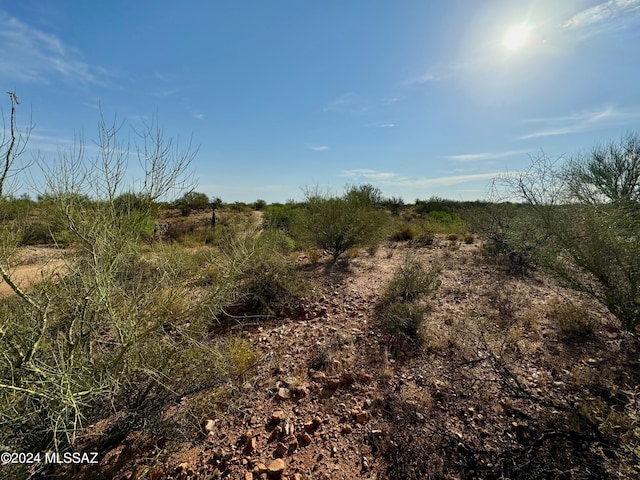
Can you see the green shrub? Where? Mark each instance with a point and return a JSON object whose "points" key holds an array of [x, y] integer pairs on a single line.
{"points": [[267, 281], [573, 322], [426, 238], [283, 217], [411, 281], [403, 319], [584, 223], [337, 224], [394, 204], [239, 207], [259, 205], [192, 201], [404, 233]]}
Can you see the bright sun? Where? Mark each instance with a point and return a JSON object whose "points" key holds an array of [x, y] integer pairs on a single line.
{"points": [[516, 37]]}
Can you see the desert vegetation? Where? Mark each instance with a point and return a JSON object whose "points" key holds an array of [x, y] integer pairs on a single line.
{"points": [[347, 335]]}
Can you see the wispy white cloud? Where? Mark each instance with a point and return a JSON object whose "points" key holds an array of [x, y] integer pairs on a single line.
{"points": [[603, 12], [161, 77], [350, 103], [32, 56], [387, 125], [50, 143], [198, 116], [470, 157], [457, 68], [168, 92], [429, 77], [368, 174], [317, 148], [581, 121], [395, 180]]}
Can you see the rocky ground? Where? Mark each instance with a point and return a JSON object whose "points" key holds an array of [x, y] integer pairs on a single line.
{"points": [[498, 388]]}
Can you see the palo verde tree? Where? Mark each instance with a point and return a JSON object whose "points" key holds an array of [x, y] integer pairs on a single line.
{"points": [[586, 214], [78, 340]]}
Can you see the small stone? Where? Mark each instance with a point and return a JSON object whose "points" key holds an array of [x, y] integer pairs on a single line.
{"points": [[283, 394], [278, 416], [276, 468], [248, 476], [317, 421], [275, 434], [301, 390], [280, 450], [297, 476], [309, 426], [259, 469], [304, 439], [251, 445], [293, 445], [288, 428], [209, 426], [361, 417], [346, 429]]}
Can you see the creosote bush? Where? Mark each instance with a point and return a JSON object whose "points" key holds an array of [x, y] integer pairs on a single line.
{"points": [[411, 282], [401, 312], [337, 224], [403, 319], [404, 233], [267, 280], [573, 322]]}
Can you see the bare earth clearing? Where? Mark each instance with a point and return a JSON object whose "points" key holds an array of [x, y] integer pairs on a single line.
{"points": [[31, 265], [493, 392]]}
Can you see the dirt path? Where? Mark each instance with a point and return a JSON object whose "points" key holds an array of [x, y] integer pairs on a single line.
{"points": [[31, 265]]}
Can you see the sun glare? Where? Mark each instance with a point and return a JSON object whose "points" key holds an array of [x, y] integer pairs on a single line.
{"points": [[516, 37]]}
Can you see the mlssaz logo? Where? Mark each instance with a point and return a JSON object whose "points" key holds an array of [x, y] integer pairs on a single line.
{"points": [[72, 457]]}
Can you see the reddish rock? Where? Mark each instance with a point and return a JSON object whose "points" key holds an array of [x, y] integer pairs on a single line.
{"points": [[278, 416], [276, 468], [259, 469], [304, 439], [346, 429], [280, 450], [251, 445], [361, 417]]}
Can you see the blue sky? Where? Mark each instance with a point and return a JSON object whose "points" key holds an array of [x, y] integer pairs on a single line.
{"points": [[418, 98]]}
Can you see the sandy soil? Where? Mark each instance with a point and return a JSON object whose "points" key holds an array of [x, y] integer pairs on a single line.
{"points": [[30, 264]]}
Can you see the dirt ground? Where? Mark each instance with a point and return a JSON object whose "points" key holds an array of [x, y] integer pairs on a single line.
{"points": [[31, 264], [495, 390]]}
